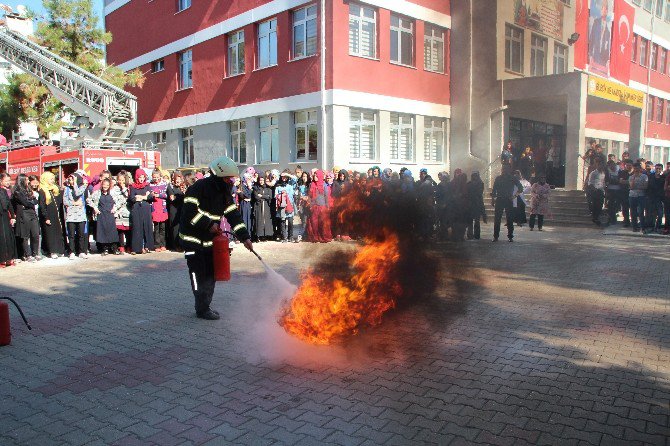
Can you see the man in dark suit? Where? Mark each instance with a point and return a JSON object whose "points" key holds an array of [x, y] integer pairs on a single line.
{"points": [[600, 38]]}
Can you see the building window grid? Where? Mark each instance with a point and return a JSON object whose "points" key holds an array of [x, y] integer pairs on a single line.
{"points": [[650, 108], [633, 53], [659, 110], [662, 60], [306, 135], [238, 141], [667, 111], [433, 139], [659, 8], [362, 135], [183, 4], [667, 11], [267, 44], [402, 41], [402, 137], [560, 59], [160, 137], [236, 53], [269, 132], [157, 66], [433, 48], [538, 55], [304, 32], [653, 57], [362, 31], [513, 49], [644, 43], [186, 69], [648, 4], [187, 155]]}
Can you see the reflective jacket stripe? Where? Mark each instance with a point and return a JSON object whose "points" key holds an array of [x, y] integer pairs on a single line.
{"points": [[195, 219], [238, 227], [188, 238], [230, 209]]}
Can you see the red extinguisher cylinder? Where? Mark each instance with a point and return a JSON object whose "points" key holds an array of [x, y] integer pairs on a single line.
{"points": [[221, 258], [5, 332]]}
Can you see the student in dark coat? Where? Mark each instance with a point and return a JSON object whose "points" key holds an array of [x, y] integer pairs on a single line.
{"points": [[27, 226], [476, 207], [50, 205], [103, 205], [175, 193], [141, 198], [7, 219], [262, 196], [245, 194]]}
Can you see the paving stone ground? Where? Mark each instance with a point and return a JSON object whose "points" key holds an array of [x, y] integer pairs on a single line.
{"points": [[561, 338]]}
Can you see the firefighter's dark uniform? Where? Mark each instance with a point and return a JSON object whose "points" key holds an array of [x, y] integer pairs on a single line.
{"points": [[205, 203]]}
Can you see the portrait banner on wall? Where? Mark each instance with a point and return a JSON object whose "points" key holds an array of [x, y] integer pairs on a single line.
{"points": [[601, 16], [543, 16]]}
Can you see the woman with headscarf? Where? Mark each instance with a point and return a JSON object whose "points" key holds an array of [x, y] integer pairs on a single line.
{"points": [[476, 209], [50, 204], [302, 192], [140, 198], [7, 220], [520, 200], [176, 191], [103, 204], [27, 226], [318, 224], [74, 200], [263, 229], [539, 202], [245, 193], [339, 190], [121, 193]]}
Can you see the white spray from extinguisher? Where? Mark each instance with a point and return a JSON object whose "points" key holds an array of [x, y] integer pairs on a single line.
{"points": [[276, 278]]}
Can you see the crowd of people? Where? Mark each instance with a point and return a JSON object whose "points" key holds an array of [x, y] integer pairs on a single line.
{"points": [[638, 190], [120, 214]]}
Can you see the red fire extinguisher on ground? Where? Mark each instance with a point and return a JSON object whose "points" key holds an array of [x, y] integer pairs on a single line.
{"points": [[5, 331], [221, 249]]}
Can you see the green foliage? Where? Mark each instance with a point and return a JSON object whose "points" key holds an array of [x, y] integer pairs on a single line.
{"points": [[70, 30]]}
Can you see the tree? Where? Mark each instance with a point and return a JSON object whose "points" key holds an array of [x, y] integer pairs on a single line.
{"points": [[70, 30]]}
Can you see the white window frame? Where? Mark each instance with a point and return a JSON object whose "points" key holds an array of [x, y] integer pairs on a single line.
{"points": [[357, 122], [644, 51], [539, 47], [305, 120], [648, 4], [667, 11], [400, 125], [358, 22], [513, 41], [238, 141], [433, 143], [434, 36], [267, 39], [186, 147], [302, 30], [160, 137], [183, 5], [560, 58], [400, 30], [185, 75], [236, 64], [659, 8], [157, 66], [271, 131]]}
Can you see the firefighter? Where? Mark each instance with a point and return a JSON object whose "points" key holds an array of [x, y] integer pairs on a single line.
{"points": [[205, 203]]}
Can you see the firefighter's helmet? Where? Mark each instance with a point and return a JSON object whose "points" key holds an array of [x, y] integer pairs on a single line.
{"points": [[224, 167]]}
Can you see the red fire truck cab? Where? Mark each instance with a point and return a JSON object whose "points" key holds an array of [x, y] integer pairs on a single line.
{"points": [[62, 162]]}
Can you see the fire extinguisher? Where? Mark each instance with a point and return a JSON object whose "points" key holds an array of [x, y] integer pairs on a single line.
{"points": [[5, 332], [221, 249]]}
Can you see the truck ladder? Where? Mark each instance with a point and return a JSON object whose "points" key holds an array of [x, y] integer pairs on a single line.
{"points": [[109, 113]]}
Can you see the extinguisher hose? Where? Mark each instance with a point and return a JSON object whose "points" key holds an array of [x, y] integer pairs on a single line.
{"points": [[20, 311], [232, 237]]}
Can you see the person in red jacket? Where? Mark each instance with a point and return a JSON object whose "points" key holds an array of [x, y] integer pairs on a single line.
{"points": [[320, 202], [159, 211]]}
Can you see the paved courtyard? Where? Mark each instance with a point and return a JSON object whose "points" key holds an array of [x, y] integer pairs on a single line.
{"points": [[562, 337]]}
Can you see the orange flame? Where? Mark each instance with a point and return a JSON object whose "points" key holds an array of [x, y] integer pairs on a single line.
{"points": [[325, 310]]}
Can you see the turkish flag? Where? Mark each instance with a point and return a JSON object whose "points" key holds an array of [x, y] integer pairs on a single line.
{"points": [[582, 28], [622, 40]]}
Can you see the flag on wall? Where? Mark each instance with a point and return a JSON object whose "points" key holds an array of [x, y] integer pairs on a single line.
{"points": [[582, 28], [622, 40]]}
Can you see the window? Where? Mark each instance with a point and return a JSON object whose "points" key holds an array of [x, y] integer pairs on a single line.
{"points": [[185, 69], [160, 137], [402, 41], [306, 135], [659, 8], [267, 43], [667, 10], [157, 65], [238, 141], [362, 31], [269, 139], [433, 49], [362, 134], [653, 62], [304, 32], [402, 137], [235, 53], [662, 60], [637, 2], [648, 4], [538, 55], [659, 110], [433, 139], [667, 112], [513, 49], [560, 59], [633, 53], [187, 149], [644, 43], [183, 4], [650, 108]]}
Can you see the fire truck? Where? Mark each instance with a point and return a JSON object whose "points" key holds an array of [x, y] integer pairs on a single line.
{"points": [[101, 132]]}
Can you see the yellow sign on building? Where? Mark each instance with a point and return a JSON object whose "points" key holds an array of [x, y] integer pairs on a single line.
{"points": [[605, 89]]}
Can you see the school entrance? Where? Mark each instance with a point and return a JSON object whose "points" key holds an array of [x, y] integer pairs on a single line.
{"points": [[547, 142]]}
